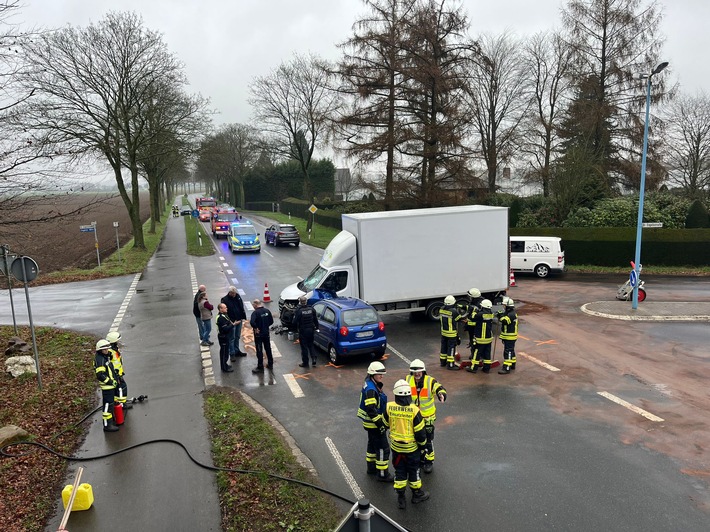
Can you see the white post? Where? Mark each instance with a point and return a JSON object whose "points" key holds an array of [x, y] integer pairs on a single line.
{"points": [[96, 239]]}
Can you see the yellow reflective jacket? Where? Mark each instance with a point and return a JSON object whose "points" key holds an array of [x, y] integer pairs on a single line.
{"points": [[425, 396], [406, 427]]}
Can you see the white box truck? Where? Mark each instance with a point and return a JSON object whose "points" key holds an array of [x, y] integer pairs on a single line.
{"points": [[409, 261]]}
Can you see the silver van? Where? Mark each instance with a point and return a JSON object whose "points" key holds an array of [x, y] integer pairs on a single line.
{"points": [[539, 254]]}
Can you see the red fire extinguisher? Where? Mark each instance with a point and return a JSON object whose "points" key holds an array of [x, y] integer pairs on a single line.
{"points": [[118, 413]]}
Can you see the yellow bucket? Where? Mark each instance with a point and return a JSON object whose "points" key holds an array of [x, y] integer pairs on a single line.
{"points": [[84, 497]]}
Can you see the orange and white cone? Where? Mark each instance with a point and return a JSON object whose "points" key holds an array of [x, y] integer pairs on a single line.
{"points": [[267, 297], [512, 279]]}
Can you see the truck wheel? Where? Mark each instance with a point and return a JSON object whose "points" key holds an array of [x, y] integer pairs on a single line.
{"points": [[432, 310], [542, 270], [333, 356]]}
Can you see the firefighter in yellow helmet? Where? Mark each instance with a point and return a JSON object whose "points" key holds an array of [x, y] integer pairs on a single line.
{"points": [[407, 438], [106, 375], [425, 389], [114, 338], [508, 334], [449, 316], [372, 406], [483, 334]]}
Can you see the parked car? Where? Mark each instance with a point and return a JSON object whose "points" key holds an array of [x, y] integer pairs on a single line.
{"points": [[243, 237], [348, 326], [541, 255], [278, 234], [186, 210]]}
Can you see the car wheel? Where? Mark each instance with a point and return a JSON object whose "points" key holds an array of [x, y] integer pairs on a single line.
{"points": [[334, 356], [432, 310], [379, 354], [296, 244], [542, 270]]}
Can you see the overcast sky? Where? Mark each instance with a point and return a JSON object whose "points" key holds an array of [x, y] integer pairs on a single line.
{"points": [[224, 44]]}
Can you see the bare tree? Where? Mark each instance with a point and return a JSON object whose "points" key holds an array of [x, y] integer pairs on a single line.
{"points": [[498, 100], [688, 144], [548, 60], [293, 107], [93, 87]]}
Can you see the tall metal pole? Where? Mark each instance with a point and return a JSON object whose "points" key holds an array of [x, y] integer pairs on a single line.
{"points": [[6, 250], [96, 239], [639, 221], [32, 327]]}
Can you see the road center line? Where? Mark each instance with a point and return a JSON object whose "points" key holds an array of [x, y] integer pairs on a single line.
{"points": [[400, 355], [539, 362], [357, 492], [631, 407], [293, 385]]}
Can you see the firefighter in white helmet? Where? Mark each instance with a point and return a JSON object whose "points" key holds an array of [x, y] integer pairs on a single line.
{"points": [[373, 401], [483, 333], [407, 438], [508, 334], [469, 308], [122, 389], [449, 316], [106, 375], [425, 389]]}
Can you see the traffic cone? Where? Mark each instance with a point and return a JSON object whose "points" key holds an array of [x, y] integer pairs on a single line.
{"points": [[267, 297], [512, 279]]}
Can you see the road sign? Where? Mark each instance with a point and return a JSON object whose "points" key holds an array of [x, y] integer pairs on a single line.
{"points": [[652, 224], [195, 213], [313, 209], [26, 274], [632, 278], [115, 224], [9, 257], [87, 228]]}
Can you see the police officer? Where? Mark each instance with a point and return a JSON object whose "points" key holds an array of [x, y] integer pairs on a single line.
{"points": [[508, 334], [106, 375], [407, 438], [122, 389], [307, 322], [372, 406], [424, 389], [449, 316], [261, 320], [483, 335], [469, 309]]}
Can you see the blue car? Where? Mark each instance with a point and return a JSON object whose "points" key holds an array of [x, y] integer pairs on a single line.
{"points": [[348, 327]]}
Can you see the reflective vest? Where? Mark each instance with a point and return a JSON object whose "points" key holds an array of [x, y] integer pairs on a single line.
{"points": [[425, 396], [105, 372], [402, 429], [483, 330], [115, 356], [378, 401], [448, 316], [509, 326]]}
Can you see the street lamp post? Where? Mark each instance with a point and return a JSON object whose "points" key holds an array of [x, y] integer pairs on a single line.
{"points": [[639, 222]]}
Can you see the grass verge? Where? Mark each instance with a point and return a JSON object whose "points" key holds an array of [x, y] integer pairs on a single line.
{"points": [[647, 270], [31, 484], [241, 439], [199, 243]]}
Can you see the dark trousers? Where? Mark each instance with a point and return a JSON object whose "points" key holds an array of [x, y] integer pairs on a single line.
{"points": [[406, 470], [305, 338], [378, 452], [263, 343], [508, 352], [107, 400], [448, 350], [120, 391], [223, 340]]}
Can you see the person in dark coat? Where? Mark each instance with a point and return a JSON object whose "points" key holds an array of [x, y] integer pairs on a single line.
{"points": [[196, 310], [225, 327], [237, 315], [261, 319], [307, 322]]}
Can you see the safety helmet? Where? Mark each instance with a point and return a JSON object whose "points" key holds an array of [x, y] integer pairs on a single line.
{"points": [[416, 365], [449, 300], [474, 292], [486, 303], [401, 388], [376, 368], [113, 337], [103, 344], [509, 303]]}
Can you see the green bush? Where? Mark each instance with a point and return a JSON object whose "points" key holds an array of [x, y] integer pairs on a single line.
{"points": [[697, 217]]}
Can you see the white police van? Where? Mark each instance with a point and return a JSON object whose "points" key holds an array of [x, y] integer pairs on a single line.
{"points": [[539, 254]]}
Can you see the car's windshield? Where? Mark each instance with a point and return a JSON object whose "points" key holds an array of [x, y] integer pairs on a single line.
{"points": [[359, 316], [227, 217], [288, 228], [314, 278], [243, 230]]}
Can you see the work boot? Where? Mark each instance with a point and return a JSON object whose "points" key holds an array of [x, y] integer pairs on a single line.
{"points": [[443, 363], [473, 368], [127, 406], [512, 366], [452, 367], [486, 368], [401, 499], [110, 426], [419, 496], [371, 468], [504, 370], [386, 478], [428, 467]]}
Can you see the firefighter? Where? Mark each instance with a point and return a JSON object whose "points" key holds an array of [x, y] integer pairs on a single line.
{"points": [[483, 335], [508, 334], [114, 338], [424, 389], [106, 376], [407, 437], [372, 405], [469, 309], [449, 316]]}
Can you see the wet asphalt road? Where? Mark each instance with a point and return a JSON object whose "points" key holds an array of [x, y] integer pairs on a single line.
{"points": [[532, 451]]}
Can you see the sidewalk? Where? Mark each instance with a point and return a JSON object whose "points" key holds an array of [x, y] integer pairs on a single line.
{"points": [[649, 311], [156, 487]]}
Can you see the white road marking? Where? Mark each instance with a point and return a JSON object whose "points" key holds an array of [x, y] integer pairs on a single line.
{"points": [[631, 407], [235, 281], [229, 272], [293, 385], [275, 350], [299, 278], [539, 362], [264, 251], [248, 306], [222, 258], [225, 263], [400, 355], [357, 492]]}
